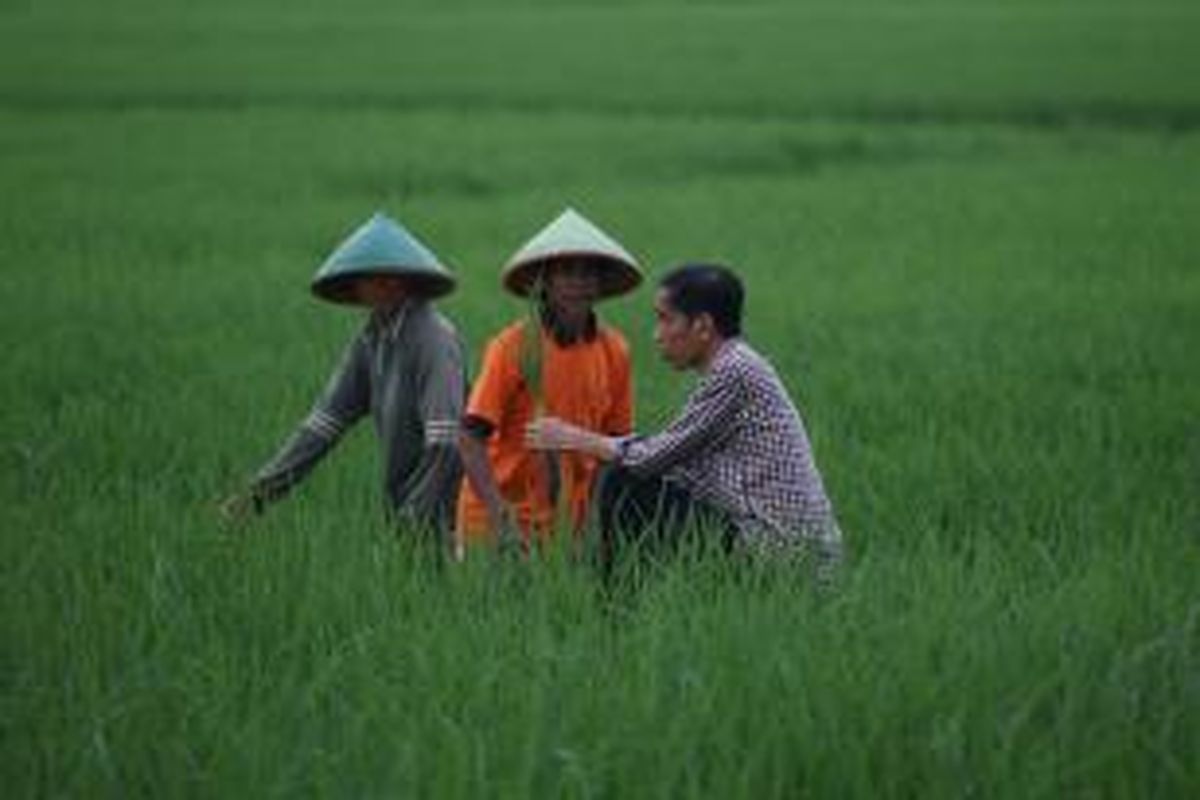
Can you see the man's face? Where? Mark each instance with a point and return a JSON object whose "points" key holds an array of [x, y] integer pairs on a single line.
{"points": [[572, 288], [381, 292], [681, 341]]}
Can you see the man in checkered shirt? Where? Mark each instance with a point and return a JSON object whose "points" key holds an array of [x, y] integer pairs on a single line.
{"points": [[737, 456]]}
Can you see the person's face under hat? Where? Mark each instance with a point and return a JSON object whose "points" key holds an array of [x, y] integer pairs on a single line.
{"points": [[572, 288], [381, 292]]}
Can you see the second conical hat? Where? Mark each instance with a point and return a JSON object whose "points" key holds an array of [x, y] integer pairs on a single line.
{"points": [[572, 235], [381, 246]]}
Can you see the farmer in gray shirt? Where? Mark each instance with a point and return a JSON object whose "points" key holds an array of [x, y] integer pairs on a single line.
{"points": [[405, 368]]}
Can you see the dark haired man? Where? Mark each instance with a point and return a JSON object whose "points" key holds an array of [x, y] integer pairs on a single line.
{"points": [[736, 457]]}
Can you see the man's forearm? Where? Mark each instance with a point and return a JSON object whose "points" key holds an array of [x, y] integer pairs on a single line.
{"points": [[550, 433], [602, 447], [302, 451], [479, 474]]}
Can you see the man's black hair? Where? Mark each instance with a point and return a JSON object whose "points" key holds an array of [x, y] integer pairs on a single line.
{"points": [[695, 289]]}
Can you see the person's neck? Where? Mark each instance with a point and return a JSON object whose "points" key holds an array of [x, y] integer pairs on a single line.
{"points": [[388, 309], [565, 334], [383, 316], [710, 355]]}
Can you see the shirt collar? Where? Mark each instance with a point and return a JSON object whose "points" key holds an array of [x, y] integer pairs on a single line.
{"points": [[724, 351], [552, 325], [389, 322]]}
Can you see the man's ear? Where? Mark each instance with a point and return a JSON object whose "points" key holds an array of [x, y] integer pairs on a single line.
{"points": [[705, 325]]}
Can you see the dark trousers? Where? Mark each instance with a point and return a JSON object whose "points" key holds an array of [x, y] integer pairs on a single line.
{"points": [[652, 517]]}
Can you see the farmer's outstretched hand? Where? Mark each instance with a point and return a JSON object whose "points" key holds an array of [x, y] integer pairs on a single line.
{"points": [[235, 509]]}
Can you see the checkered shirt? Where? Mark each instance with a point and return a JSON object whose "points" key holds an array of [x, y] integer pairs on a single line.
{"points": [[739, 444]]}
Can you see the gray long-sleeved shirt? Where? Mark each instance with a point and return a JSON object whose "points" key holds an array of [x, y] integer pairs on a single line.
{"points": [[407, 369]]}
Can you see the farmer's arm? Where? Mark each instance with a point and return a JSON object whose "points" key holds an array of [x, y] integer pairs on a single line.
{"points": [[498, 382], [472, 447], [345, 399], [704, 419]]}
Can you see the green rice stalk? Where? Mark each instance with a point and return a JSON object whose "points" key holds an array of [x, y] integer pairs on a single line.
{"points": [[532, 366]]}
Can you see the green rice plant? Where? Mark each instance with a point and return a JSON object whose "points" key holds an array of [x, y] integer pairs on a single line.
{"points": [[968, 236], [532, 363]]}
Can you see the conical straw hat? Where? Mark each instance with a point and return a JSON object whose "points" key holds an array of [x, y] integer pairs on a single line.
{"points": [[381, 246], [573, 236]]}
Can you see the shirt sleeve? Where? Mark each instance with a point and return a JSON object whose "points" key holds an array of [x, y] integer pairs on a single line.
{"points": [[442, 389], [345, 400], [498, 382], [706, 418]]}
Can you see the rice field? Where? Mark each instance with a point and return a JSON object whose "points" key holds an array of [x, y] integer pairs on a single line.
{"points": [[969, 237]]}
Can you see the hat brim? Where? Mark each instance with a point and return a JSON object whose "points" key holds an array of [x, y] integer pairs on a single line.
{"points": [[617, 277], [342, 288]]}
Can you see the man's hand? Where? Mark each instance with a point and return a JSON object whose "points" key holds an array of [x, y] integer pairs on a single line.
{"points": [[552, 433], [237, 508]]}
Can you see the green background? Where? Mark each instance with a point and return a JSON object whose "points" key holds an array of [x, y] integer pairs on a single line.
{"points": [[969, 236]]}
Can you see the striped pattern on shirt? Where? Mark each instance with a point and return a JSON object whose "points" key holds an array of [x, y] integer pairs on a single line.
{"points": [[325, 425]]}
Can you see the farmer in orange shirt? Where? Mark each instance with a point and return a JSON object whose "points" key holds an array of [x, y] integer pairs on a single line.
{"points": [[559, 361]]}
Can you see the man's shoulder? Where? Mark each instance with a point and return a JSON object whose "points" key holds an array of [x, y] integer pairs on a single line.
{"points": [[758, 375], [429, 319], [736, 356], [428, 328], [739, 361], [429, 334]]}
